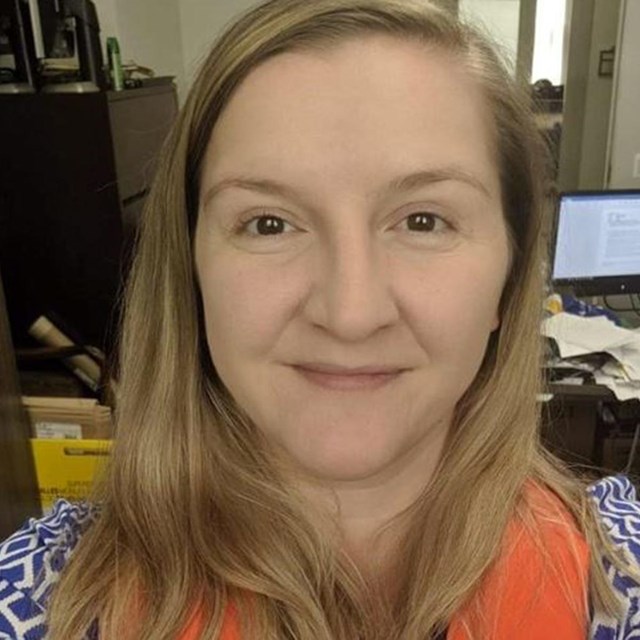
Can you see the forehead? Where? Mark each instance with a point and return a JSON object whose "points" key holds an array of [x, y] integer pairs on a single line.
{"points": [[380, 103]]}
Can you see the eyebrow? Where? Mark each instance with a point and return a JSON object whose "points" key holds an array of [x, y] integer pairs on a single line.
{"points": [[400, 184]]}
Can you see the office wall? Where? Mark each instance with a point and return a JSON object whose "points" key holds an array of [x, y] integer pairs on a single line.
{"points": [[170, 36], [500, 18], [599, 92], [575, 94], [149, 33], [625, 131], [107, 16], [201, 21]]}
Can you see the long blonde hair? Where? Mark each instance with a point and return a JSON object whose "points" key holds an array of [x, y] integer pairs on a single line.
{"points": [[193, 511]]}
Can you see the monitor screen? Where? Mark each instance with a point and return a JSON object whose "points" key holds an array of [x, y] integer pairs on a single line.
{"points": [[597, 242]]}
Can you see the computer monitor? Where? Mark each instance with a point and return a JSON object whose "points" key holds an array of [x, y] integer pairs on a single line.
{"points": [[597, 242]]}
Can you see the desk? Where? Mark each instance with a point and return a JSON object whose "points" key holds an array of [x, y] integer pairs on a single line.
{"points": [[573, 426]]}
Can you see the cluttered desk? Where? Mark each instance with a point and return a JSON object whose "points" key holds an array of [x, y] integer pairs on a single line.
{"points": [[593, 362]]}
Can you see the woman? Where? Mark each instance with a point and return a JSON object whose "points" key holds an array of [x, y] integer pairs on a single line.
{"points": [[327, 417]]}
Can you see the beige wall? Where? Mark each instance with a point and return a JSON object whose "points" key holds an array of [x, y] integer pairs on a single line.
{"points": [[625, 131], [107, 16], [575, 95], [201, 22], [590, 100], [500, 18], [592, 173], [148, 32]]}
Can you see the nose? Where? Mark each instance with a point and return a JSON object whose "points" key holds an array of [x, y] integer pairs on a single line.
{"points": [[352, 292]]}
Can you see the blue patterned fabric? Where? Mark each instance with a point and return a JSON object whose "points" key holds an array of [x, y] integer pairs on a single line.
{"points": [[620, 511], [31, 561]]}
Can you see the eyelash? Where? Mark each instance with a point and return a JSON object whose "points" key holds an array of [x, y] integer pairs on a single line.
{"points": [[241, 229]]}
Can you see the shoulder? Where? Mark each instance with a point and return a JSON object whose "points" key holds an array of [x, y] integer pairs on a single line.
{"points": [[31, 561], [535, 587], [617, 504]]}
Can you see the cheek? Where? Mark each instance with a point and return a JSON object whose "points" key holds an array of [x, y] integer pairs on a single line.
{"points": [[245, 307], [456, 298], [452, 320]]}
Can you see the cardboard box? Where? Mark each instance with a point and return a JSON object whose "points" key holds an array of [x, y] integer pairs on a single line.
{"points": [[70, 418], [67, 468]]}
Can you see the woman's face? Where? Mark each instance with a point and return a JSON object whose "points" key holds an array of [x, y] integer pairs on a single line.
{"points": [[350, 217]]}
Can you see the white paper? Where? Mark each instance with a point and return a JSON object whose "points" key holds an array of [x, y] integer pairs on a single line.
{"points": [[579, 336], [623, 390], [66, 430]]}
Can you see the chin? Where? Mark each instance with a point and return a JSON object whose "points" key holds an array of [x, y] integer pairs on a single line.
{"points": [[343, 466]]}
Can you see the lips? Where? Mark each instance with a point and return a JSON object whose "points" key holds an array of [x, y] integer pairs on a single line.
{"points": [[348, 379], [334, 369]]}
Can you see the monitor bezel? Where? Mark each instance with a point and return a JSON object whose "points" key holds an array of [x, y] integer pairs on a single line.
{"points": [[599, 285]]}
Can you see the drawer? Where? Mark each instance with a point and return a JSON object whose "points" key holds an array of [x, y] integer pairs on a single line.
{"points": [[140, 122]]}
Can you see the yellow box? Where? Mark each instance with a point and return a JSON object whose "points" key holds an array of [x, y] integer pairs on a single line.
{"points": [[67, 468]]}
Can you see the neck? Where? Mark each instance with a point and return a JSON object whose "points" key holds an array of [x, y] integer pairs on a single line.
{"points": [[368, 510]]}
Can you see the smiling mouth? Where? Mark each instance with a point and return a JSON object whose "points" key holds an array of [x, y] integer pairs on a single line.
{"points": [[348, 381]]}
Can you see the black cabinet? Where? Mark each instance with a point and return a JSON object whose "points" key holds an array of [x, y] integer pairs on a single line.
{"points": [[19, 497], [74, 173]]}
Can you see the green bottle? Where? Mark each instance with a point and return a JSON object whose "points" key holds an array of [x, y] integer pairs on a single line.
{"points": [[115, 64]]}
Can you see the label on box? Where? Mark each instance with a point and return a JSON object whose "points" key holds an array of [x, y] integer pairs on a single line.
{"points": [[58, 430], [67, 469]]}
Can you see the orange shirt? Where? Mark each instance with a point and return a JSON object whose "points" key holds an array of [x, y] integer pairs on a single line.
{"points": [[229, 631], [525, 595], [529, 596]]}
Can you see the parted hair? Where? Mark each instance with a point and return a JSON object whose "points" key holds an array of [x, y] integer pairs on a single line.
{"points": [[192, 511]]}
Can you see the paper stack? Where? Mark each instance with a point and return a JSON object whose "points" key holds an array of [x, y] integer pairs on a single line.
{"points": [[69, 418], [578, 336]]}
